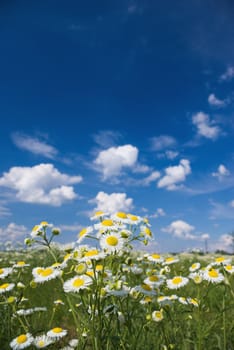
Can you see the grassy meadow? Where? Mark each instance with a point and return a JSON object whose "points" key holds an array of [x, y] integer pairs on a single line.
{"points": [[106, 295]]}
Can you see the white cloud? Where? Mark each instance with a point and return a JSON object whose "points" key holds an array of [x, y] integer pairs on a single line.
{"points": [[180, 229], [221, 172], [205, 127], [225, 242], [232, 203], [175, 174], [71, 228], [171, 154], [151, 178], [228, 74], [161, 142], [12, 232], [110, 162], [42, 184], [159, 212], [216, 102], [34, 145], [113, 202], [106, 138]]}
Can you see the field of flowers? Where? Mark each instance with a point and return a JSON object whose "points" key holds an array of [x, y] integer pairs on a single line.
{"points": [[104, 294]]}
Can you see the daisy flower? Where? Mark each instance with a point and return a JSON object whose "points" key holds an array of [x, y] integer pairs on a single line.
{"points": [[170, 260], [196, 277], [134, 220], [36, 231], [5, 271], [57, 333], [112, 242], [106, 225], [83, 233], [93, 254], [117, 290], [183, 300], [120, 217], [213, 276], [99, 214], [20, 264], [157, 315], [146, 232], [193, 301], [154, 280], [6, 287], [229, 268], [195, 267], [21, 342], [146, 300], [177, 282], [164, 300], [221, 260], [145, 289], [77, 283], [42, 341], [42, 274]]}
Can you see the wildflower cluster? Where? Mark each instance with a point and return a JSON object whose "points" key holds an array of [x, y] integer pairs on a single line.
{"points": [[112, 295]]}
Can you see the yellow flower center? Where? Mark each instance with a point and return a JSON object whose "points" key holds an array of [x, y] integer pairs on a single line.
{"points": [[146, 287], [112, 240], [21, 263], [91, 253], [147, 231], [170, 259], [83, 232], [158, 314], [155, 256], [41, 343], [46, 272], [147, 299], [4, 286], [21, 339], [90, 273], [99, 267], [121, 215], [153, 278], [1, 271], [56, 264], [220, 259], [98, 213], [44, 223], [213, 273], [194, 266], [228, 267], [107, 222], [177, 280], [132, 217], [57, 330], [78, 282], [35, 228]]}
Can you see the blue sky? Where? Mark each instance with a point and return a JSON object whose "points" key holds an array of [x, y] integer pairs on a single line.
{"points": [[122, 105]]}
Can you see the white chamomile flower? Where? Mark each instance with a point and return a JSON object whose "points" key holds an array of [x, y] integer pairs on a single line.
{"points": [[213, 275], [170, 260], [177, 282], [134, 219], [155, 258], [145, 289], [146, 232], [84, 233], [229, 268], [42, 274], [98, 215], [106, 225], [120, 217], [112, 242], [183, 300], [5, 271], [193, 301], [77, 283], [197, 277], [6, 287], [42, 341], [20, 264], [21, 342], [194, 267], [221, 260], [57, 333], [157, 315], [93, 254], [154, 280]]}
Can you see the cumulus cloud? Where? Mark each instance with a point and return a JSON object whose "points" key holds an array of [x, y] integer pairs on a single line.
{"points": [[232, 203], [150, 178], [34, 145], [216, 102], [227, 75], [174, 175], [159, 212], [12, 232], [112, 161], [161, 142], [41, 184], [180, 229], [106, 138], [221, 172], [113, 202], [224, 242], [205, 127]]}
